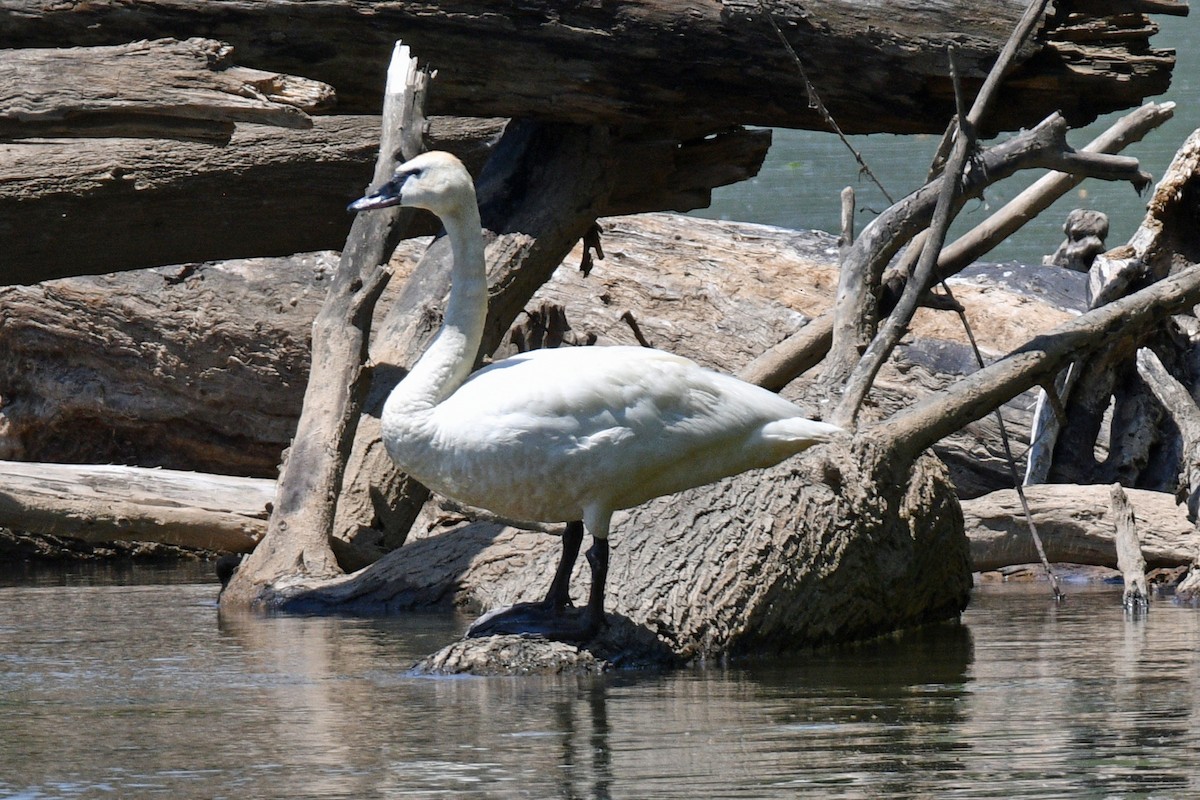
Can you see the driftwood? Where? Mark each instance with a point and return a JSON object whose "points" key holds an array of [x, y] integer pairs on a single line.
{"points": [[588, 63], [164, 88], [106, 503], [784, 361], [199, 367], [1076, 525], [182, 124], [1130, 561], [1103, 391], [87, 206], [301, 523], [1182, 408]]}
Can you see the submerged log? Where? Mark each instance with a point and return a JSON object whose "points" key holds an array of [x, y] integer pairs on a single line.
{"points": [[878, 67]]}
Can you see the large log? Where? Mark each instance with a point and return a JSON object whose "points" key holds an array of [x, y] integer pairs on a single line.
{"points": [[878, 67], [1076, 525], [102, 503], [164, 88], [90, 205]]}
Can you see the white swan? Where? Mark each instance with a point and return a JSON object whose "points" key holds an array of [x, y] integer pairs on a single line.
{"points": [[564, 435]]}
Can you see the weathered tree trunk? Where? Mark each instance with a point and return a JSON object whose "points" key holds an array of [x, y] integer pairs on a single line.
{"points": [[183, 126], [198, 367], [86, 206], [164, 88], [101, 503], [878, 67], [1130, 561]]}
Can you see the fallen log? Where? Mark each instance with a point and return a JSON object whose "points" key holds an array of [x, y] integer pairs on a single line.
{"points": [[1076, 525], [876, 66], [163, 88], [92, 205], [101, 503], [96, 205]]}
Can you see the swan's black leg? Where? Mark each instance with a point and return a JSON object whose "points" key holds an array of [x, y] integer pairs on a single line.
{"points": [[593, 615], [559, 596]]}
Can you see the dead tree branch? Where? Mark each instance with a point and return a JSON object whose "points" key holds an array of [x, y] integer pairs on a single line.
{"points": [[1036, 362], [301, 523]]}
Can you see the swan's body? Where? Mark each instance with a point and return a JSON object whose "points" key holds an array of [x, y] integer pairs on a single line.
{"points": [[576, 433], [568, 434]]}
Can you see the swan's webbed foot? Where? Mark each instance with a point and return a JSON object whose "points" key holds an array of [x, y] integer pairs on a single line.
{"points": [[554, 617], [538, 621]]}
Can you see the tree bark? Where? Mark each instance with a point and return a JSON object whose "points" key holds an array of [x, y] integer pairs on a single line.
{"points": [[876, 66]]}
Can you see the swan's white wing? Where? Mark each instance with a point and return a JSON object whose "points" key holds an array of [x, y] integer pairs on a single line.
{"points": [[620, 423]]}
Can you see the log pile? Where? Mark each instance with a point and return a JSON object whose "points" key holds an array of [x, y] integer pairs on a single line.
{"points": [[853, 539]]}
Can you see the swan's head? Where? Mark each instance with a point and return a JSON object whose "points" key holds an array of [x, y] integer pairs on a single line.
{"points": [[434, 181]]}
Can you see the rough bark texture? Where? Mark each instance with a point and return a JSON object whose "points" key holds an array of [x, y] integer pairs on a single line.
{"points": [[878, 68], [166, 88], [199, 367], [832, 546], [100, 503], [85, 206], [1076, 525]]}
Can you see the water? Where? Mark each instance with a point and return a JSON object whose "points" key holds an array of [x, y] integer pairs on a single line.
{"points": [[799, 185], [129, 685]]}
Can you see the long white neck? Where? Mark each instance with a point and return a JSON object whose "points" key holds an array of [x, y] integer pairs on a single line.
{"points": [[449, 358]]}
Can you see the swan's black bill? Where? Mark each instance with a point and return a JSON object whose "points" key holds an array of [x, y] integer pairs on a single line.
{"points": [[388, 195]]}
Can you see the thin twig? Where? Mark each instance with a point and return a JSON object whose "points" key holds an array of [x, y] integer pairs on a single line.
{"points": [[814, 102], [1008, 455]]}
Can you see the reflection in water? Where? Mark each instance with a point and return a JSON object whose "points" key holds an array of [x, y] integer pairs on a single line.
{"points": [[136, 690]]}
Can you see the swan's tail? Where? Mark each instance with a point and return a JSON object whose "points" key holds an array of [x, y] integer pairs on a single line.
{"points": [[802, 432]]}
